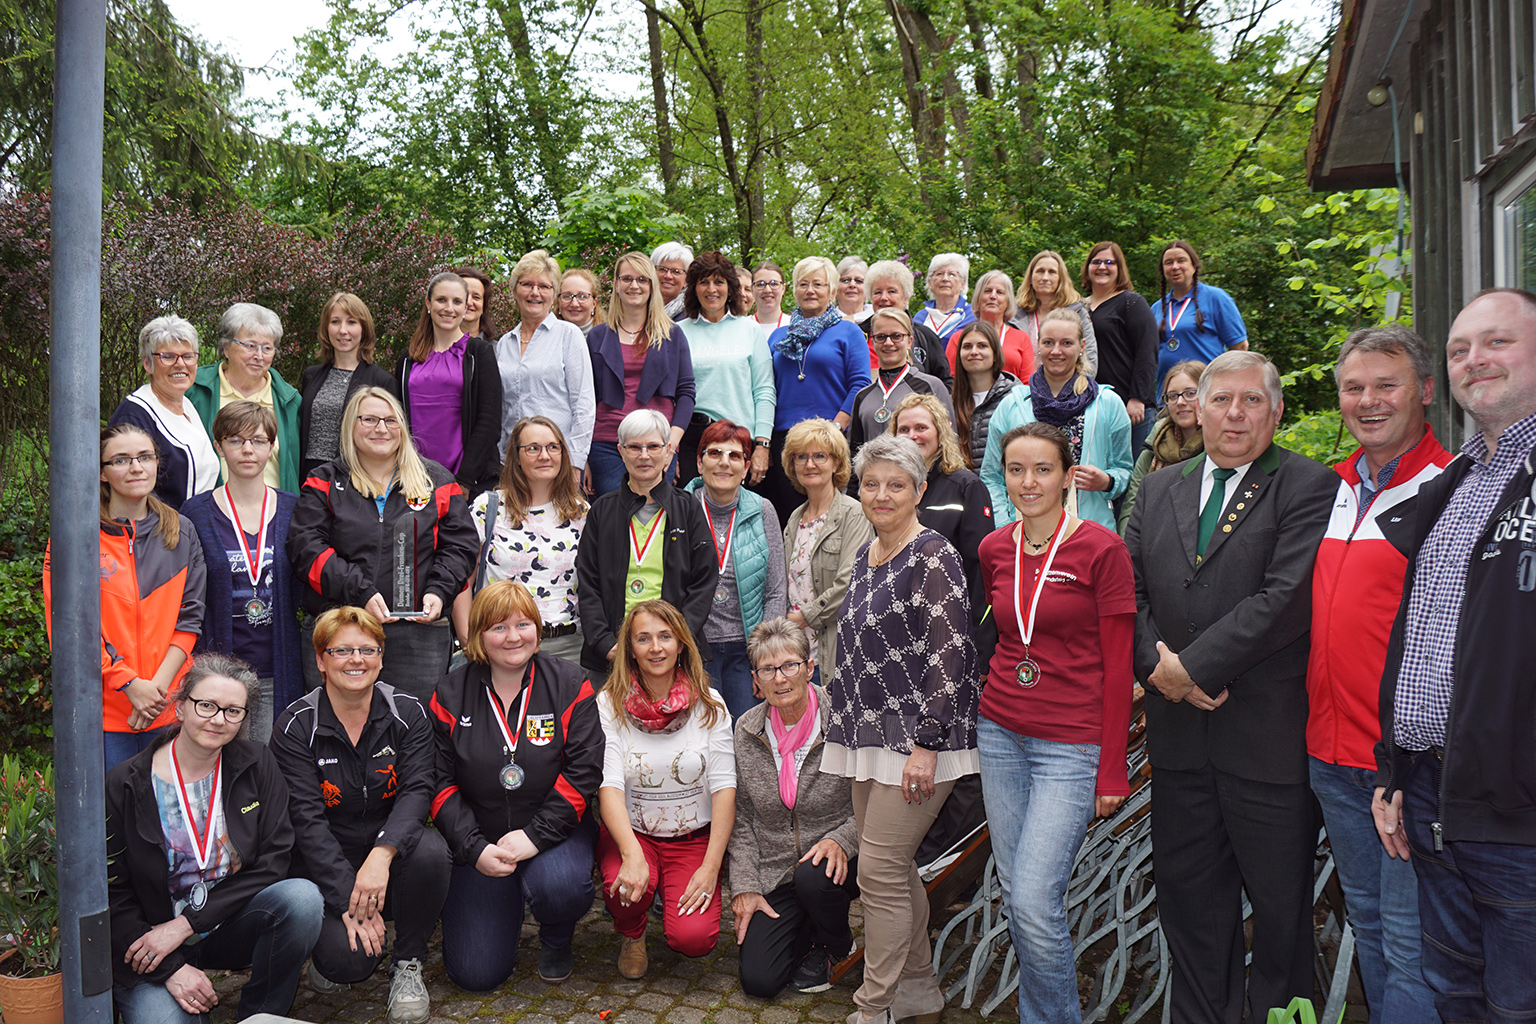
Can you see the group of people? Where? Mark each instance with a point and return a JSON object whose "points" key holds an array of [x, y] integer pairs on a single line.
{"points": [[757, 594]]}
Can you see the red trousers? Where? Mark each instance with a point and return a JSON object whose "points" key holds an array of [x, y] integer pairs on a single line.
{"points": [[672, 863]]}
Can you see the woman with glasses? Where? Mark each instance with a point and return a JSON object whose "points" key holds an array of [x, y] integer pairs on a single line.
{"points": [[1175, 437], [672, 260], [152, 584], [640, 360], [516, 793], [890, 332], [578, 302], [450, 389], [546, 369], [981, 384], [168, 351], [530, 530], [1126, 332], [248, 339], [852, 295], [347, 344], [359, 758], [946, 310], [644, 540], [198, 846], [890, 286], [252, 595], [385, 530], [749, 551], [794, 844], [823, 535], [732, 368], [1046, 286], [768, 291]]}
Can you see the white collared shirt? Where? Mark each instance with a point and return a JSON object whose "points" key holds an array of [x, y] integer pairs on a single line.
{"points": [[1208, 481]]}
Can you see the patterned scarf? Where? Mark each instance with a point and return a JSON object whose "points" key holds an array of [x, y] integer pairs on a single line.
{"points": [[1168, 450], [1059, 410], [665, 715], [791, 740], [803, 330]]}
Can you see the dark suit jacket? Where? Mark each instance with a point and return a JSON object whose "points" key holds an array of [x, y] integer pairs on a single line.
{"points": [[1239, 619]]}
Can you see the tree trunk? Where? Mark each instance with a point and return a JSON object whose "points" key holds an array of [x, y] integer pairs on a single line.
{"points": [[664, 155], [552, 164]]}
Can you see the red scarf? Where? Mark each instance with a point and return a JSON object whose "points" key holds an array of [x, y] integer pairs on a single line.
{"points": [[789, 741], [665, 715]]}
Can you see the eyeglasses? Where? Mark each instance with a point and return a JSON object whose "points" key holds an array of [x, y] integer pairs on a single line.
{"points": [[172, 358], [1103, 263], [768, 284], [123, 461], [886, 339], [241, 442], [347, 652], [233, 714], [534, 286], [645, 449], [1188, 395], [255, 349], [942, 275], [576, 297], [630, 280], [553, 448], [390, 423], [788, 670], [670, 272], [724, 455], [814, 458], [850, 280]]}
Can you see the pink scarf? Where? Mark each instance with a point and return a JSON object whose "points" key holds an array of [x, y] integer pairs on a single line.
{"points": [[665, 715], [789, 741]]}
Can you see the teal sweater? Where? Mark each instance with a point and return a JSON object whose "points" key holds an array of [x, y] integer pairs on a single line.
{"points": [[732, 372]]}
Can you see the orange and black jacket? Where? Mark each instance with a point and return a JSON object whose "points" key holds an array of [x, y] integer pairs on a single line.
{"points": [[343, 547], [559, 746], [151, 600]]}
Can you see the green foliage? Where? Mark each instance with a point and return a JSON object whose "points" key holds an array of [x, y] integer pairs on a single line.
{"points": [[1318, 435], [625, 218], [29, 871]]}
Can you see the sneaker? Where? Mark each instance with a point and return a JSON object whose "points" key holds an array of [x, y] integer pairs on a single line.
{"points": [[320, 983], [555, 964], [632, 959], [815, 971], [408, 1002]]}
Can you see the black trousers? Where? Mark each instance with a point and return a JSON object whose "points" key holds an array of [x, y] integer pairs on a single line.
{"points": [[1215, 835], [812, 910], [775, 486], [418, 885]]}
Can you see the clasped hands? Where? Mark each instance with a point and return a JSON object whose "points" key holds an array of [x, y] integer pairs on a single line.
{"points": [[1174, 683]]}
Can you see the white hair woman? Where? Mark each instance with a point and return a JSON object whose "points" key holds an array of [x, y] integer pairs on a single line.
{"points": [[672, 260], [993, 304], [946, 310], [890, 285], [852, 290]]}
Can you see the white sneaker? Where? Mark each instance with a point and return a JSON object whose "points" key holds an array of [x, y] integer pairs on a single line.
{"points": [[320, 983], [408, 1002]]}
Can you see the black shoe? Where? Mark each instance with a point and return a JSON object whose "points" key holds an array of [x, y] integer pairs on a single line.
{"points": [[815, 971], [555, 964]]}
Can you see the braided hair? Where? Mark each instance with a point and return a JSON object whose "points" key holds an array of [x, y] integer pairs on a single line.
{"points": [[1194, 291]]}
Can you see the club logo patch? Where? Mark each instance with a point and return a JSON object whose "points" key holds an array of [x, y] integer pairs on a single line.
{"points": [[540, 729]]}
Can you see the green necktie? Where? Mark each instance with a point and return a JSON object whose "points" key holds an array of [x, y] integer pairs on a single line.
{"points": [[1211, 513]]}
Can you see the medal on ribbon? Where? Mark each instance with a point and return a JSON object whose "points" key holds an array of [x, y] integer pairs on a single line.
{"points": [[511, 775], [1028, 671]]}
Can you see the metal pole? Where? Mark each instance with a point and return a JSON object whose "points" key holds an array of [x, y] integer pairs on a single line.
{"points": [[74, 440]]}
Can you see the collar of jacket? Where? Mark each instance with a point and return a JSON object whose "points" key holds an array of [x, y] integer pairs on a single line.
{"points": [[1268, 462], [661, 494]]}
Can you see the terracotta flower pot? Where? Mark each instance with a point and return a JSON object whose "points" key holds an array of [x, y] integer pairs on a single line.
{"points": [[32, 1000]]}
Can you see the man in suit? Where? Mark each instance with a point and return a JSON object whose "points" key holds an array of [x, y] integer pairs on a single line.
{"points": [[1223, 546]]}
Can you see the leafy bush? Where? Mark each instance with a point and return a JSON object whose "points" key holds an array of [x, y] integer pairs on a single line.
{"points": [[29, 870]]}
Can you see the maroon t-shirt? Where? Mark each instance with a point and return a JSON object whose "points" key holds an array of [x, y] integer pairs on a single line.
{"points": [[1082, 643]]}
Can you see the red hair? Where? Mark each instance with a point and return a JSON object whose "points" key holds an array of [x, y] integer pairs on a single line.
{"points": [[721, 431]]}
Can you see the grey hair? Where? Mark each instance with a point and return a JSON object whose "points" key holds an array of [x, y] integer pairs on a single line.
{"points": [[948, 259], [778, 634], [988, 278], [672, 251], [1392, 340], [848, 263], [205, 666], [163, 331], [1237, 361], [642, 422], [900, 451], [890, 270], [247, 316]]}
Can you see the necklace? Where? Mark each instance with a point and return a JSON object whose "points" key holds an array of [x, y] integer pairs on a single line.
{"points": [[886, 556], [1027, 672]]}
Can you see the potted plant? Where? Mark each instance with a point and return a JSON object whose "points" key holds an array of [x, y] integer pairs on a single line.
{"points": [[31, 987]]}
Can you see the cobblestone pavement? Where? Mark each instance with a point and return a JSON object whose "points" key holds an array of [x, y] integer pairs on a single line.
{"points": [[676, 989]]}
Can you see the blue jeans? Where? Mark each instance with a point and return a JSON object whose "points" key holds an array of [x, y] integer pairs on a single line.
{"points": [[1039, 796], [483, 918], [607, 467], [731, 673], [120, 746], [273, 935], [1380, 895], [1477, 906]]}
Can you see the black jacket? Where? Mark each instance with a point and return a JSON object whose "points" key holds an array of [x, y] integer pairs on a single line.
{"points": [[481, 417], [560, 749], [256, 814], [959, 507], [343, 799], [981, 416], [1488, 775], [343, 549], [602, 564], [366, 375]]}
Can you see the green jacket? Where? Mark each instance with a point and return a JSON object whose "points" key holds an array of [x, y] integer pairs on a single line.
{"points": [[204, 396]]}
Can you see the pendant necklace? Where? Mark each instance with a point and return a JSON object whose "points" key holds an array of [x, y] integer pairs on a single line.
{"points": [[1027, 672], [255, 609], [512, 774], [202, 840]]}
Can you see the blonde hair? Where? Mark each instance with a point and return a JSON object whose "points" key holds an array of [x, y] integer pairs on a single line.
{"points": [[336, 619], [410, 469], [495, 603], [1066, 293], [948, 457], [625, 670], [816, 265], [823, 434], [1067, 316], [658, 326]]}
